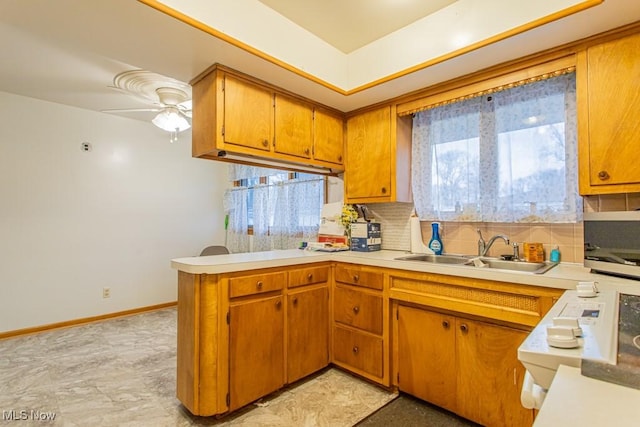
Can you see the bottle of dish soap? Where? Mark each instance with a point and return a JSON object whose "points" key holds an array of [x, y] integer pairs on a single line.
{"points": [[435, 244], [555, 254]]}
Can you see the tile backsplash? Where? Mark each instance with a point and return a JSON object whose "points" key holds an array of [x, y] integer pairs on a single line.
{"points": [[462, 238]]}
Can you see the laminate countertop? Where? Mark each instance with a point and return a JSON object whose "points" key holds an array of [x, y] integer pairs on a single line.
{"points": [[576, 400], [562, 276]]}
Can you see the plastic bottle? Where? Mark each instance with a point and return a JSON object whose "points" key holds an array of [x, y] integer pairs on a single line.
{"points": [[555, 254], [435, 244]]}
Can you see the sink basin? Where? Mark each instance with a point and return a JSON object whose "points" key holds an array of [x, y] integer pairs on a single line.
{"points": [[529, 267], [437, 259], [493, 263]]}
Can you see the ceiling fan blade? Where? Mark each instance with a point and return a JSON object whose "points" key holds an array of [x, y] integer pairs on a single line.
{"points": [[130, 110]]}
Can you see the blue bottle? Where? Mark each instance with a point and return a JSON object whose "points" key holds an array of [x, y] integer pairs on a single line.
{"points": [[435, 244]]}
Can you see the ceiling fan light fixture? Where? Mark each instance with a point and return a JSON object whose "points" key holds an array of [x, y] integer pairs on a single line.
{"points": [[171, 120]]}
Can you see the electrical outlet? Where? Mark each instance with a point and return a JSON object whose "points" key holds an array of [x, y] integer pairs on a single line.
{"points": [[106, 292]]}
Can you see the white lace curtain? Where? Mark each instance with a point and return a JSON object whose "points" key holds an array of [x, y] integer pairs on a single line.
{"points": [[506, 157], [282, 213]]}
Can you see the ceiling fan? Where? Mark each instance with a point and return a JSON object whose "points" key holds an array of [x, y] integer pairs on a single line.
{"points": [[171, 99]]}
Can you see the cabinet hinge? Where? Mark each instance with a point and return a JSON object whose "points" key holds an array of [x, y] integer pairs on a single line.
{"points": [[228, 399], [398, 378], [228, 317], [224, 80], [397, 314]]}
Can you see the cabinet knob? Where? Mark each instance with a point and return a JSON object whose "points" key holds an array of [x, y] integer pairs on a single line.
{"points": [[464, 328], [340, 158], [259, 284], [384, 190], [278, 304], [356, 309], [355, 349], [603, 175], [307, 151], [356, 278], [295, 300], [310, 277], [445, 324], [265, 143]]}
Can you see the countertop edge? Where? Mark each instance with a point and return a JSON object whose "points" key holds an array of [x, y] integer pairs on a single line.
{"points": [[563, 276]]}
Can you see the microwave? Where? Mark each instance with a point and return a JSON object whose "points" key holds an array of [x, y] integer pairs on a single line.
{"points": [[612, 243]]}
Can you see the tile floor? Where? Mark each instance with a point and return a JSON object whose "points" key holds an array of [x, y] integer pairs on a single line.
{"points": [[121, 372]]}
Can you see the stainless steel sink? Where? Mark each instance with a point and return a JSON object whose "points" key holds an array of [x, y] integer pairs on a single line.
{"points": [[493, 263], [529, 267], [437, 259]]}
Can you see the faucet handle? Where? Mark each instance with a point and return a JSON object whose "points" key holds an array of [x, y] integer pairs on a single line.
{"points": [[479, 233]]}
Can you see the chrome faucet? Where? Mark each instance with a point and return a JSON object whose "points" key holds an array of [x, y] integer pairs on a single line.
{"points": [[483, 247]]}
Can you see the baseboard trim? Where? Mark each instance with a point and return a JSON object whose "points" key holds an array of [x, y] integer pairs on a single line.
{"points": [[92, 319]]}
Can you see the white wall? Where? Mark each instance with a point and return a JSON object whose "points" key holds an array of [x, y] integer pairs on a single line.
{"points": [[73, 222]]}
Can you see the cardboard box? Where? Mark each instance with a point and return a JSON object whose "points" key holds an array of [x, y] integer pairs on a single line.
{"points": [[332, 239], [365, 236]]}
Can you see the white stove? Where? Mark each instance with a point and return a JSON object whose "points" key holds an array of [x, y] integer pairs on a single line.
{"points": [[593, 337]]}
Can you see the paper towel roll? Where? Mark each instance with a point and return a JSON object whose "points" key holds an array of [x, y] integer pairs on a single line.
{"points": [[417, 244]]}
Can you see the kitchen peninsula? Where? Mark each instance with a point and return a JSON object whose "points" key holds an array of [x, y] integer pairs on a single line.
{"points": [[289, 313]]}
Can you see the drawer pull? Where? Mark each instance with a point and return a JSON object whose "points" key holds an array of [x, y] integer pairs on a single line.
{"points": [[259, 285], [464, 328], [355, 349], [310, 277], [603, 175], [445, 324], [356, 309], [356, 278]]}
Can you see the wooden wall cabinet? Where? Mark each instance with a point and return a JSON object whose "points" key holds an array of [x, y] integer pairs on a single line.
{"points": [[241, 119], [378, 157], [466, 366], [609, 116]]}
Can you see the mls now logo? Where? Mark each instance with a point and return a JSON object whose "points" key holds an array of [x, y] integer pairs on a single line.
{"points": [[24, 415]]}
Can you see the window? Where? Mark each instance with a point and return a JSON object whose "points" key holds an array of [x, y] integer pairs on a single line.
{"points": [[279, 208], [509, 156]]}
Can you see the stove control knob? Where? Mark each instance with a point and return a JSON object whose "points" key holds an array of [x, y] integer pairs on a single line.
{"points": [[561, 337], [569, 322]]}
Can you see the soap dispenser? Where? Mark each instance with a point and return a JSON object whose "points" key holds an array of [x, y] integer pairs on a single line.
{"points": [[435, 244]]}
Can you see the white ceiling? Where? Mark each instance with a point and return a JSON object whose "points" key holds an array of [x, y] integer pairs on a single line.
{"points": [[351, 24], [68, 51]]}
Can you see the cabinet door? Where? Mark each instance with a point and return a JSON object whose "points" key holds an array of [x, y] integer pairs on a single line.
{"points": [[256, 352], [308, 337], [614, 111], [328, 137], [490, 375], [368, 167], [248, 114], [294, 127], [427, 356]]}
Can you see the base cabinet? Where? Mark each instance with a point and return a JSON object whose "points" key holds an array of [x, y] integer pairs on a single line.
{"points": [[256, 349], [466, 366], [308, 332]]}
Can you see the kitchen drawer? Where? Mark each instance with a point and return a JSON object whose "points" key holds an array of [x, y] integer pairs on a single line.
{"points": [[308, 276], [358, 309], [256, 284], [358, 350], [357, 277]]}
